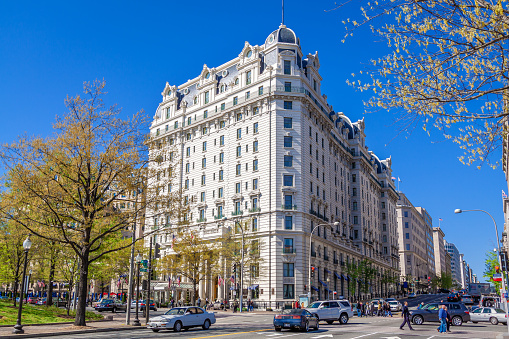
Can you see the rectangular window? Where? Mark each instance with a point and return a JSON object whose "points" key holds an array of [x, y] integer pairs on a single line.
{"points": [[223, 106], [287, 67], [248, 77], [288, 291], [406, 224], [288, 161], [221, 157], [255, 184], [220, 192], [237, 169], [204, 146], [203, 180], [221, 175], [288, 86], [288, 202], [288, 270], [255, 146], [288, 105], [239, 151], [188, 152], [254, 225], [288, 245], [235, 100], [288, 222], [189, 121], [256, 110], [202, 196], [254, 203], [255, 128], [204, 163], [239, 133], [188, 166], [248, 94], [186, 184], [356, 220], [255, 165], [176, 125], [288, 122], [408, 247], [288, 141], [260, 90], [206, 97], [220, 211], [407, 235], [205, 114], [287, 180]]}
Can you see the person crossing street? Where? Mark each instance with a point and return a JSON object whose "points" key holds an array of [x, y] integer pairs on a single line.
{"points": [[405, 314]]}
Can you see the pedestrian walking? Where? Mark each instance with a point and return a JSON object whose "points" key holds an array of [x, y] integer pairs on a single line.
{"points": [[405, 314], [442, 316], [449, 320], [372, 307], [379, 308]]}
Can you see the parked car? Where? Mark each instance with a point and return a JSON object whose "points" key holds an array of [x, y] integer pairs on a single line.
{"points": [[459, 313], [467, 299], [453, 297], [111, 305], [411, 295], [179, 318], [152, 305], [390, 299], [41, 301], [395, 306], [133, 304], [332, 310], [32, 300], [296, 319], [493, 315]]}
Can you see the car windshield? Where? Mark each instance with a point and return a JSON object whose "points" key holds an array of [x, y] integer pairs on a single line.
{"points": [[292, 311], [176, 311], [108, 301], [393, 302], [315, 305]]}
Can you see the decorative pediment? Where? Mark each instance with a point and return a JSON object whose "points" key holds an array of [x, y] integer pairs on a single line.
{"points": [[254, 192], [219, 201], [237, 196]]}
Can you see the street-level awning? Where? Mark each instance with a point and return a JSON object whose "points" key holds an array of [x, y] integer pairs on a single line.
{"points": [[314, 288], [337, 275], [321, 282], [253, 287], [326, 270]]}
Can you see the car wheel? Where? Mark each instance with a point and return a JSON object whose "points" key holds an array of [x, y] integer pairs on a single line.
{"points": [[418, 320], [457, 321], [343, 318], [330, 321], [155, 330], [177, 327], [278, 329], [206, 324], [306, 327], [494, 321]]}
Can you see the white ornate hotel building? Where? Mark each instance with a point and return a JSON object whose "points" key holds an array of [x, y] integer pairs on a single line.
{"points": [[256, 140]]}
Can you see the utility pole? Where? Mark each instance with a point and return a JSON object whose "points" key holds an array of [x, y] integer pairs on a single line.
{"points": [[147, 302], [131, 278]]}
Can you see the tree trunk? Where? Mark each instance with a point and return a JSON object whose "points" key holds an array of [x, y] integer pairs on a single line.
{"points": [[49, 301], [15, 291], [82, 291]]}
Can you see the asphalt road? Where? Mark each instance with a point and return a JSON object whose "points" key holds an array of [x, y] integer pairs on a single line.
{"points": [[244, 326]]}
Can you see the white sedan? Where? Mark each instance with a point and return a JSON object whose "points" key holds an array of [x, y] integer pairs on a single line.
{"points": [[179, 318]]}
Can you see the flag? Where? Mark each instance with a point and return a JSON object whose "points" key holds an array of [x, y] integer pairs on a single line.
{"points": [[169, 282], [393, 178], [118, 282], [504, 196], [172, 240], [440, 219], [219, 280], [192, 236], [178, 281], [232, 279], [400, 180]]}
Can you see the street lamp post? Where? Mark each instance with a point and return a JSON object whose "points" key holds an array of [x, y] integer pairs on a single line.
{"points": [[328, 287], [241, 263], [309, 269], [138, 259], [18, 328], [457, 211]]}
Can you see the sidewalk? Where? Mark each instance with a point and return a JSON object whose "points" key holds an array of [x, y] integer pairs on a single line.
{"points": [[62, 329]]}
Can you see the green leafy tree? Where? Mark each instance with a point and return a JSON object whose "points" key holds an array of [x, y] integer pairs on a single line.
{"points": [[447, 68], [490, 262]]}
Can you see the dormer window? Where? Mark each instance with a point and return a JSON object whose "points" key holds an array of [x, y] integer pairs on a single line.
{"points": [[249, 54], [207, 75]]}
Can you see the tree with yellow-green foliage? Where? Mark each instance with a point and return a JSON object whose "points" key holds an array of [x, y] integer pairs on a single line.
{"points": [[88, 181], [448, 69]]}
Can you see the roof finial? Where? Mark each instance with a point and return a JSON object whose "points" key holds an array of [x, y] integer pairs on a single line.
{"points": [[282, 12]]}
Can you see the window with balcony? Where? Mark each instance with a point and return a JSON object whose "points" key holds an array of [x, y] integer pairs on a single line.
{"points": [[288, 245], [288, 202]]}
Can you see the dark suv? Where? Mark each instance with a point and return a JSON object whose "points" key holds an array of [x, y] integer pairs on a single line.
{"points": [[458, 311], [453, 297]]}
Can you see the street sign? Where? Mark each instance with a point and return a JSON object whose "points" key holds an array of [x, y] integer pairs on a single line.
{"points": [[497, 277], [145, 264], [143, 269]]}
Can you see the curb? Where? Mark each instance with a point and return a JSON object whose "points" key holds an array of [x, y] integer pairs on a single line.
{"points": [[52, 324], [53, 334]]}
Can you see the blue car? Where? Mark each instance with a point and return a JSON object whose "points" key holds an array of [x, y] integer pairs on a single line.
{"points": [[295, 319]]}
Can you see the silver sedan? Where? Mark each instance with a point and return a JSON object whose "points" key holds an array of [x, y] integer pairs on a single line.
{"points": [[493, 315], [395, 306]]}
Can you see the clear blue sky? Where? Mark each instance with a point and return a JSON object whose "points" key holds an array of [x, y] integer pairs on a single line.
{"points": [[47, 49]]}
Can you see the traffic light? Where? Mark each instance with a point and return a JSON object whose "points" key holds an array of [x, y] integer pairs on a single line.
{"points": [[503, 261], [497, 269], [312, 271], [234, 268], [157, 251]]}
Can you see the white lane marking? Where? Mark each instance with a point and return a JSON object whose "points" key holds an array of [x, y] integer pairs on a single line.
{"points": [[323, 336], [290, 335], [364, 335], [430, 337]]}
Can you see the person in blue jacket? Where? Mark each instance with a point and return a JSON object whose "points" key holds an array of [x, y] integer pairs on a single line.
{"points": [[442, 316]]}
